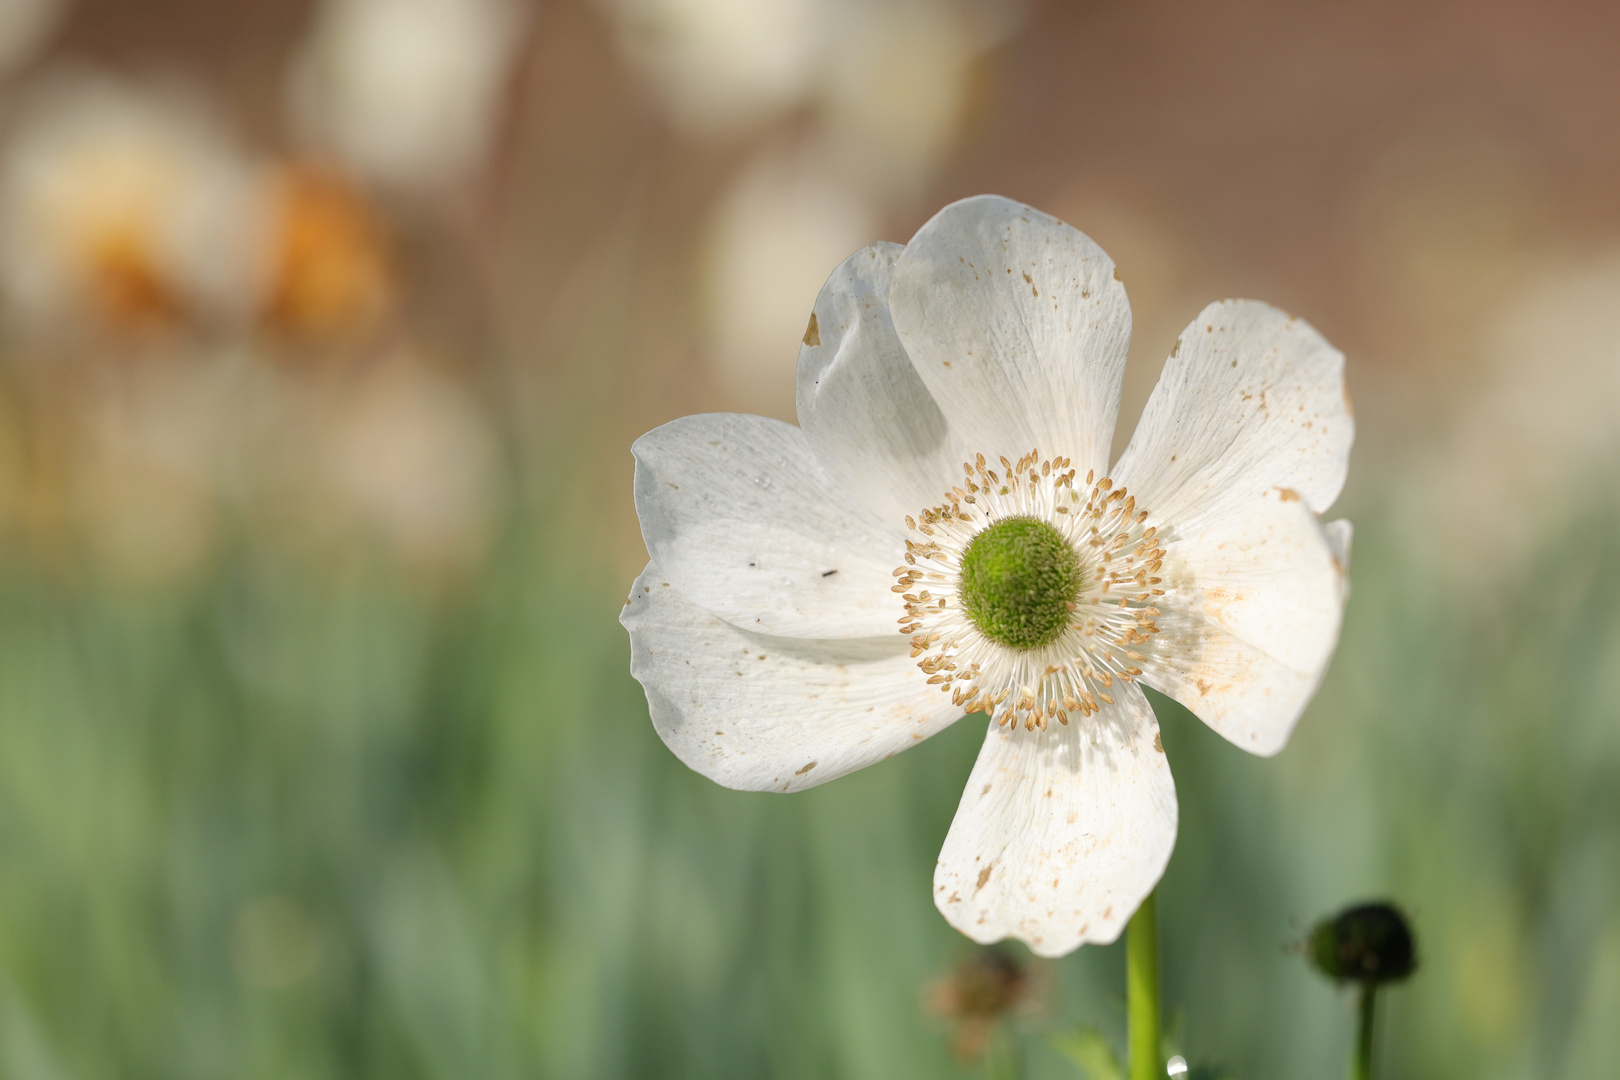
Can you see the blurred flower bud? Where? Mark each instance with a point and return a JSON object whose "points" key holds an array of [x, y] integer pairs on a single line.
{"points": [[1367, 943], [977, 994]]}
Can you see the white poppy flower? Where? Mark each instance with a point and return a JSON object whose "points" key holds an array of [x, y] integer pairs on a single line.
{"points": [[956, 401]]}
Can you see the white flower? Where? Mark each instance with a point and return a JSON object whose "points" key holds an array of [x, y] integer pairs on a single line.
{"points": [[128, 199], [1035, 583], [890, 79], [724, 65], [406, 92]]}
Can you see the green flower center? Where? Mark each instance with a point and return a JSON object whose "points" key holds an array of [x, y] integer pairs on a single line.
{"points": [[1019, 577]]}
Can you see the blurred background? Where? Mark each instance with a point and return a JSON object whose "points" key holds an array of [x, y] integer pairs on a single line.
{"points": [[325, 328]]}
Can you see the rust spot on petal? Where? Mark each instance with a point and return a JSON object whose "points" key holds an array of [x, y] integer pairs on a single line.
{"points": [[812, 333], [1287, 494], [1158, 743], [984, 876], [806, 769]]}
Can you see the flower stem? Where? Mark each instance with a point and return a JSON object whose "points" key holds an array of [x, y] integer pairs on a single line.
{"points": [[1361, 1060], [1142, 991], [1006, 1058]]}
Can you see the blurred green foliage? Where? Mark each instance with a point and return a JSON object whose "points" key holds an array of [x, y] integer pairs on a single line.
{"points": [[327, 822]]}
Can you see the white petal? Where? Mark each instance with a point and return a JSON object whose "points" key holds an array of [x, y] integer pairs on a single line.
{"points": [[739, 514], [767, 713], [1251, 399], [861, 403], [1248, 622], [1060, 834], [1019, 328]]}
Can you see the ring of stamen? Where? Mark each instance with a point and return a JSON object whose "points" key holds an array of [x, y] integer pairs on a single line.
{"points": [[1071, 666]]}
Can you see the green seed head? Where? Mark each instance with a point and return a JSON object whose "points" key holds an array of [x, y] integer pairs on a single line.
{"points": [[1019, 577]]}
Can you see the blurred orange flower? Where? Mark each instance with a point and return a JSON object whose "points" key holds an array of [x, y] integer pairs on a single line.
{"points": [[330, 270]]}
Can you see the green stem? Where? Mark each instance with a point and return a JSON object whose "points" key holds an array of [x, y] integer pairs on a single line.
{"points": [[1006, 1058], [1142, 991], [1361, 1061]]}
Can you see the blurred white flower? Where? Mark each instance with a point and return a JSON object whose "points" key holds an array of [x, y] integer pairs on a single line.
{"points": [[773, 234], [723, 65], [414, 454], [125, 200], [889, 77], [406, 92], [896, 93], [956, 404]]}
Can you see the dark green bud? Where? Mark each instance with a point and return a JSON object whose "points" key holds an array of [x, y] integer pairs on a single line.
{"points": [[1368, 943]]}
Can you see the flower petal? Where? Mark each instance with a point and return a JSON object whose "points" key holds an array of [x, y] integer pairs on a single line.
{"points": [[861, 403], [1018, 326], [1249, 619], [767, 713], [743, 519], [1060, 834], [1251, 399]]}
